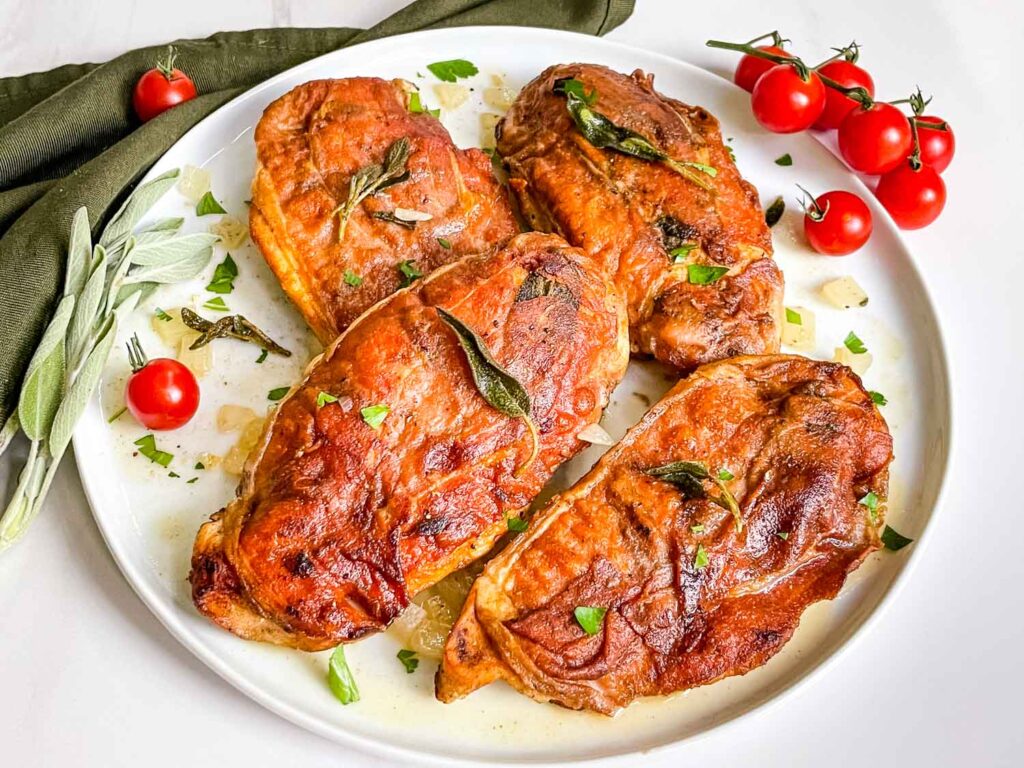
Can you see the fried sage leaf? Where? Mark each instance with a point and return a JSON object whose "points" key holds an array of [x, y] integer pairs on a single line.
{"points": [[604, 134], [372, 179], [688, 476], [234, 327], [497, 386], [536, 285]]}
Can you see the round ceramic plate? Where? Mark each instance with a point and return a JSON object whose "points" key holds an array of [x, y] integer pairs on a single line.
{"points": [[149, 516]]}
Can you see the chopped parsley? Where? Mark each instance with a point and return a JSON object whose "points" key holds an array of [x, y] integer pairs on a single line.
{"points": [[679, 254], [878, 398], [732, 155], [704, 274], [409, 660], [216, 304], [453, 69], [773, 214], [208, 204], [697, 528], [785, 160], [161, 315], [117, 415], [263, 356], [577, 89], [590, 618], [351, 278], [853, 343], [700, 560], [173, 474], [189, 482], [374, 415], [784, 535], [725, 474], [446, 244], [278, 393], [224, 276], [340, 679], [870, 501], [894, 541], [417, 108], [409, 272], [793, 317], [147, 447], [324, 398], [516, 524], [199, 465]]}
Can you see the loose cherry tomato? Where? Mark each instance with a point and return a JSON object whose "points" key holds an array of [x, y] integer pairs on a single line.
{"points": [[875, 139], [837, 223], [914, 197], [937, 145], [750, 68], [161, 88], [837, 103], [784, 102], [161, 393]]}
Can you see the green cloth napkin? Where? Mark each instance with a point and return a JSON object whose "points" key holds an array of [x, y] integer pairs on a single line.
{"points": [[68, 137]]}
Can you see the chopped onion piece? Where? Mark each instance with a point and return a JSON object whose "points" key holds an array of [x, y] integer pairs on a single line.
{"points": [[231, 231], [487, 122], [231, 418], [234, 460], [451, 95], [798, 335], [199, 361], [844, 292], [595, 434], [859, 364], [193, 183], [407, 214], [407, 622], [209, 460], [499, 98]]}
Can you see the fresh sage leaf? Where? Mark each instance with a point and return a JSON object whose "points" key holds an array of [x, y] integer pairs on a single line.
{"points": [[169, 249], [340, 678], [134, 208], [86, 306], [173, 272], [590, 618], [44, 380], [498, 387], [10, 430], [79, 254]]}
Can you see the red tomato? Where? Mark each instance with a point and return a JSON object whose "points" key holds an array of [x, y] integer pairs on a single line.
{"points": [[161, 393], [875, 139], [913, 197], [751, 68], [784, 102], [161, 88], [937, 145], [838, 223], [838, 104]]}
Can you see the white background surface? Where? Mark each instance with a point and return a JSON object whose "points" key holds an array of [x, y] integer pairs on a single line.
{"points": [[88, 676]]}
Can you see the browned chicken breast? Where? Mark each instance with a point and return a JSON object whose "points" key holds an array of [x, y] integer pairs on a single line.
{"points": [[386, 469], [690, 551], [661, 226], [312, 145]]}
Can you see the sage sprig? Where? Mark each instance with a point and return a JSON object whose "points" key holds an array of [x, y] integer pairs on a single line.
{"points": [[689, 477], [103, 282], [497, 386], [600, 131], [372, 179]]}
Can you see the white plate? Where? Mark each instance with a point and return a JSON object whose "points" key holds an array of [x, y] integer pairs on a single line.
{"points": [[149, 519]]}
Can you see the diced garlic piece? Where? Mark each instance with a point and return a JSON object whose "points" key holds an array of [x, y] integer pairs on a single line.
{"points": [[408, 620], [193, 183], [231, 418], [497, 80], [844, 292], [234, 460], [798, 335], [595, 434], [454, 588], [859, 364], [500, 98], [209, 460], [199, 361], [429, 638], [451, 95], [407, 214], [487, 122], [170, 331], [232, 232]]}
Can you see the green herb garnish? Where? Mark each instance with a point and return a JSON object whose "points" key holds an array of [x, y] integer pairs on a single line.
{"points": [[324, 398], [679, 254], [697, 528], [208, 204], [773, 214], [224, 276], [374, 415], [604, 134], [417, 108], [278, 393], [263, 355], [725, 475], [372, 179], [444, 243], [785, 160], [854, 344], [352, 279], [199, 465], [409, 660], [173, 474], [870, 500], [700, 560], [147, 447], [784, 535], [497, 386], [117, 415], [793, 317], [877, 398], [340, 679], [577, 89], [161, 315], [704, 274], [517, 524], [894, 541], [590, 618], [409, 272], [216, 304], [189, 482], [451, 70]]}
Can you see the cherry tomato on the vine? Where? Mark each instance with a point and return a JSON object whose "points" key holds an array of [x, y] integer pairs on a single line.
{"points": [[914, 197], [875, 139], [937, 144], [161, 393], [837, 103], [161, 88], [785, 102], [837, 223], [750, 68]]}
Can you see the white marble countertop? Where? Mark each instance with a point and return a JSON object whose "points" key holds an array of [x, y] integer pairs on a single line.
{"points": [[89, 677]]}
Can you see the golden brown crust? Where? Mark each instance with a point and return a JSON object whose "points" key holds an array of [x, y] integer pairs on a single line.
{"points": [[630, 213], [309, 143], [337, 524], [804, 442]]}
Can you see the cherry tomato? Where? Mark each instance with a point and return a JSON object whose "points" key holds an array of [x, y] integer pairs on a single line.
{"points": [[913, 197], [875, 139], [161, 88], [838, 104], [937, 145], [161, 393], [784, 102], [750, 68], [837, 223]]}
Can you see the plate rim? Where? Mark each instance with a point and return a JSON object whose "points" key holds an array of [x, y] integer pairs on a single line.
{"points": [[174, 624]]}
